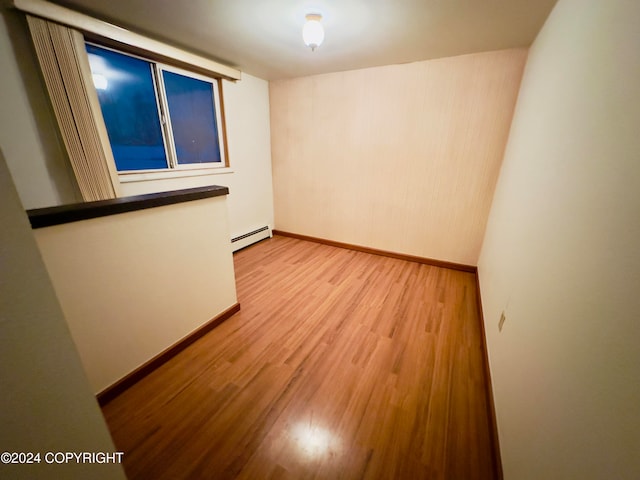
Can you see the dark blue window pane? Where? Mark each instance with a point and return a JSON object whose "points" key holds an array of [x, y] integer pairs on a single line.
{"points": [[128, 101], [193, 120]]}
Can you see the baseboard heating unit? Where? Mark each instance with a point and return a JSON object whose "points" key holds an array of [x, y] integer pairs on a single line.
{"points": [[249, 238]]}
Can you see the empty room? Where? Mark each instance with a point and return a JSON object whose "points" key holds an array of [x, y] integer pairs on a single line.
{"points": [[332, 240]]}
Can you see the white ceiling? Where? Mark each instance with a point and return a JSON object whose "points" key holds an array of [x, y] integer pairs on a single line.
{"points": [[263, 37]]}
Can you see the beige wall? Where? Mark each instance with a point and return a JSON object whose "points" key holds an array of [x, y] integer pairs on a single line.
{"points": [[46, 403], [561, 254], [133, 284], [401, 158]]}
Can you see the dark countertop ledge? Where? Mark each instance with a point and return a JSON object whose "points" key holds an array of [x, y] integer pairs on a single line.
{"points": [[50, 216]]}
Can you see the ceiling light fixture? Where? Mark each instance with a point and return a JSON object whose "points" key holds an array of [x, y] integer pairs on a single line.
{"points": [[313, 32]]}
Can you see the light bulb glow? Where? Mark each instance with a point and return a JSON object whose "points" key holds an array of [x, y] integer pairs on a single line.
{"points": [[313, 32], [100, 81], [314, 442]]}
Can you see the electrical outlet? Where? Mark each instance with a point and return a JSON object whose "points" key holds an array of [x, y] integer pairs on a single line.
{"points": [[501, 322]]}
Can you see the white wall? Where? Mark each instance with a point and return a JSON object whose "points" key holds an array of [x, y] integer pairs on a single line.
{"points": [[132, 285], [561, 253], [40, 168], [250, 199], [249, 133], [28, 133], [401, 158], [46, 402]]}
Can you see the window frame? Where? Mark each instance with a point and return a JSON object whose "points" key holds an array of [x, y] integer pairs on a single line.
{"points": [[174, 169], [217, 110]]}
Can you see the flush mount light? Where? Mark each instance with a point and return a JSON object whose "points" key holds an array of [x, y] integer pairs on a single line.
{"points": [[312, 32]]}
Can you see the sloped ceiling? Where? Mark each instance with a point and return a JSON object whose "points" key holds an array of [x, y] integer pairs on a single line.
{"points": [[263, 37]]}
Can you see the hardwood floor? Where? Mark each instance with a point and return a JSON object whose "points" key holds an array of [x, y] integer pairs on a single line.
{"points": [[340, 365]]}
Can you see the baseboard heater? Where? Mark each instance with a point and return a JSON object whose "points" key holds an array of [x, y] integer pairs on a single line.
{"points": [[247, 239]]}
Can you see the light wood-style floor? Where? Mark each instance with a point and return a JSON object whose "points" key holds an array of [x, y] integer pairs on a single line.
{"points": [[340, 365]]}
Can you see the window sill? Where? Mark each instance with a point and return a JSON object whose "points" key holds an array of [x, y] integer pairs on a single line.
{"points": [[50, 216], [170, 174]]}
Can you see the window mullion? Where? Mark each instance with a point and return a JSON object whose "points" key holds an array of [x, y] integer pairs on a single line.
{"points": [[165, 119]]}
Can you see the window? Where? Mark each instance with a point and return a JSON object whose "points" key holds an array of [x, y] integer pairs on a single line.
{"points": [[157, 117]]}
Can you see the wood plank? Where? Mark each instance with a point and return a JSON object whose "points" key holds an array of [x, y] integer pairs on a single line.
{"points": [[111, 392], [384, 253], [341, 364]]}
